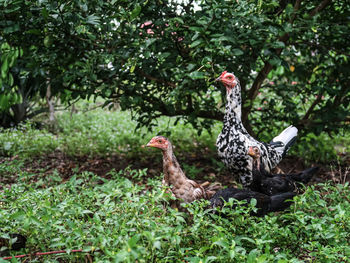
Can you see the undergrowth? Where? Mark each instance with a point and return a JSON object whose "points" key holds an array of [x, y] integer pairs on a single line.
{"points": [[97, 133], [119, 221], [102, 133]]}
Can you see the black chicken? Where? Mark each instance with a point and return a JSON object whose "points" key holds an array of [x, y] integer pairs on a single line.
{"points": [[264, 203], [14, 242], [272, 184]]}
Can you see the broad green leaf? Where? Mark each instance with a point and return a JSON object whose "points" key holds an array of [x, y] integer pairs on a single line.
{"points": [[92, 20], [4, 68], [157, 245], [237, 52], [11, 29], [150, 41], [196, 43], [47, 41], [197, 75], [275, 61], [135, 12], [278, 44], [7, 146], [253, 202]]}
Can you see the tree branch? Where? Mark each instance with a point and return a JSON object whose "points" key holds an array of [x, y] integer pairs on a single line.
{"points": [[161, 107], [213, 115], [37, 112], [50, 104], [320, 7], [161, 81], [334, 122], [338, 98], [206, 114], [279, 10], [253, 92], [310, 110]]}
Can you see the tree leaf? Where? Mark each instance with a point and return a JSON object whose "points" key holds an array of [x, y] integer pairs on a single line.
{"points": [[278, 44], [92, 20], [237, 52], [4, 68], [135, 12], [197, 75], [196, 43], [253, 202]]}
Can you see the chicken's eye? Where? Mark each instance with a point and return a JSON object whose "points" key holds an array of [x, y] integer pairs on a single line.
{"points": [[159, 141]]}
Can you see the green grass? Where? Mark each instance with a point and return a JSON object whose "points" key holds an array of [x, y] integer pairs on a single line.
{"points": [[323, 148], [124, 222], [101, 133]]}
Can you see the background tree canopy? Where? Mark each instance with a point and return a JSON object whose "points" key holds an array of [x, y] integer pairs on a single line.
{"points": [[161, 57]]}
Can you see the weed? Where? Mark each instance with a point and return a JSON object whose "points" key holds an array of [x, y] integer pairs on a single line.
{"points": [[96, 132], [191, 171], [339, 174], [128, 222]]}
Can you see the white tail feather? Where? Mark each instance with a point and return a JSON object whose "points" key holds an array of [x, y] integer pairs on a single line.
{"points": [[286, 136]]}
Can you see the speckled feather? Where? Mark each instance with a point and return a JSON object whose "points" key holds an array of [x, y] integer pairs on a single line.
{"points": [[233, 141]]}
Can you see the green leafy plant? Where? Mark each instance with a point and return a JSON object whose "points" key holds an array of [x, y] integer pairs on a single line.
{"points": [[116, 218], [131, 219]]}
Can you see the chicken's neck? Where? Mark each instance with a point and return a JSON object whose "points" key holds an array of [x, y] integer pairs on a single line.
{"points": [[233, 109], [173, 174], [256, 164]]}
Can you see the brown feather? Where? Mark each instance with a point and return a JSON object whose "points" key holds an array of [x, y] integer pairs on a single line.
{"points": [[183, 188]]}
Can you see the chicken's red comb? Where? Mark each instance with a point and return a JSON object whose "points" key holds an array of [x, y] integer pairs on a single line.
{"points": [[223, 73]]}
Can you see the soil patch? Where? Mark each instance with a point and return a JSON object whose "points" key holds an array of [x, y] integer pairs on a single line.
{"points": [[198, 166]]}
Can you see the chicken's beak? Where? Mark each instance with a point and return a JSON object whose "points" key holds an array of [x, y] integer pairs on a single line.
{"points": [[150, 144], [218, 79], [251, 152]]}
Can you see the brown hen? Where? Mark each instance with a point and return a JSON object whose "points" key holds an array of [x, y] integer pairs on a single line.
{"points": [[181, 187]]}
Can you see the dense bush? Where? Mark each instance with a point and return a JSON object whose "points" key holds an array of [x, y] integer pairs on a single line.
{"points": [[160, 57]]}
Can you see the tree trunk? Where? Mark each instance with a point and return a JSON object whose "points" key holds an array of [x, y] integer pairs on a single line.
{"points": [[51, 106]]}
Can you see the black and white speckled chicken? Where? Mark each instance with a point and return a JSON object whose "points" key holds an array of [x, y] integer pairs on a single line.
{"points": [[233, 141], [182, 188], [272, 184]]}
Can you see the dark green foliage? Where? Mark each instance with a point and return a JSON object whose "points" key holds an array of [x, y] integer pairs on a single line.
{"points": [[160, 57], [121, 220]]}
